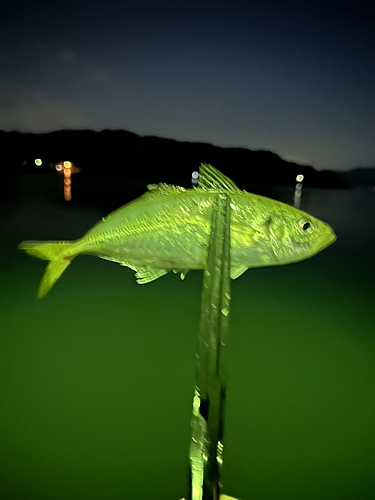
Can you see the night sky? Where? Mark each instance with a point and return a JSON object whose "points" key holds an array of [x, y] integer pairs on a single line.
{"points": [[294, 77]]}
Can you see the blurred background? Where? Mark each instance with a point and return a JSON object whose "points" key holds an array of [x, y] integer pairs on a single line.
{"points": [[97, 379]]}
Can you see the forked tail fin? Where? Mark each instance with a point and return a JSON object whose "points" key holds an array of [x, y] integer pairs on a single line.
{"points": [[55, 251]]}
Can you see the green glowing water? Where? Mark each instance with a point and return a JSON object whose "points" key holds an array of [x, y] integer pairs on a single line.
{"points": [[97, 379]]}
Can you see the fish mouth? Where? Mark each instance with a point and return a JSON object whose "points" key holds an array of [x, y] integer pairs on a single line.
{"points": [[327, 240]]}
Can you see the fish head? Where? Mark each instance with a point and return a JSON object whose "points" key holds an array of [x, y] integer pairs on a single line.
{"points": [[296, 235]]}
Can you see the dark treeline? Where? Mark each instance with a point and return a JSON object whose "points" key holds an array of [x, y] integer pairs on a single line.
{"points": [[120, 154]]}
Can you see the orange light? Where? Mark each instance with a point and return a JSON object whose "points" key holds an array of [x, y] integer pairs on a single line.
{"points": [[68, 169]]}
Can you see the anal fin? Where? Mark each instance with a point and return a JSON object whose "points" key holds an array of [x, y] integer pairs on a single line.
{"points": [[183, 272], [236, 271], [145, 274]]}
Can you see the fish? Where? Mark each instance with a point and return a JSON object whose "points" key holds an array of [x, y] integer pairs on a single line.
{"points": [[168, 229]]}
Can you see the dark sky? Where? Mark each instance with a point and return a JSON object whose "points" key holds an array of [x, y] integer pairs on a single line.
{"points": [[294, 77]]}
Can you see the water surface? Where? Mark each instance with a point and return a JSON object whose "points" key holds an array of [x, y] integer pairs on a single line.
{"points": [[97, 378]]}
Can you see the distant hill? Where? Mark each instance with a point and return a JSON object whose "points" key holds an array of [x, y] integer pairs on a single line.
{"points": [[125, 155], [360, 177]]}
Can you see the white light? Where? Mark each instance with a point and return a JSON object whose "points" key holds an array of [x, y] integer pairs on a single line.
{"points": [[299, 178], [58, 167], [195, 174]]}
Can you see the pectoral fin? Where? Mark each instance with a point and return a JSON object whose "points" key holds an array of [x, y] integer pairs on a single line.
{"points": [[236, 271]]}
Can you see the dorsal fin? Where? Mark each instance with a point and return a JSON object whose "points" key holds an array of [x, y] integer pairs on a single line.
{"points": [[210, 178], [157, 190]]}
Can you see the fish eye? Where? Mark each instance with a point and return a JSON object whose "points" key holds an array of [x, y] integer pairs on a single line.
{"points": [[305, 225]]}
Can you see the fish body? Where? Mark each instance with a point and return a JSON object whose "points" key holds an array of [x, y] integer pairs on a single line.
{"points": [[168, 228]]}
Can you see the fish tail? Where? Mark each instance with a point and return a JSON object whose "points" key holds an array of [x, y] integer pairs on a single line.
{"points": [[55, 252]]}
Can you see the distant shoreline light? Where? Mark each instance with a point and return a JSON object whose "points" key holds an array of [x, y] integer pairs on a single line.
{"points": [[67, 168]]}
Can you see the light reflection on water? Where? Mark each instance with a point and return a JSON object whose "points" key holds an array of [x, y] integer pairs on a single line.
{"points": [[97, 379]]}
